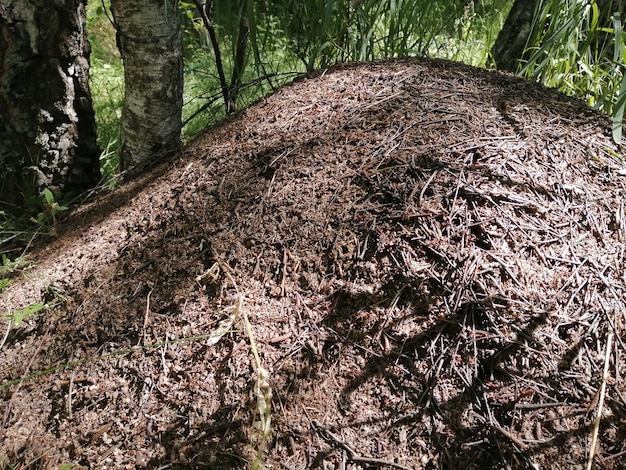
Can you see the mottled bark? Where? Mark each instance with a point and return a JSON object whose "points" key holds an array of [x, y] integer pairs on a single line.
{"points": [[510, 45], [47, 125], [149, 39]]}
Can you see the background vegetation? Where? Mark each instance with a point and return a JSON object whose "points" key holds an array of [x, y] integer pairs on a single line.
{"points": [[577, 46]]}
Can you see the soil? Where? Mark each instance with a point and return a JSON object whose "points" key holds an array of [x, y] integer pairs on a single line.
{"points": [[410, 264]]}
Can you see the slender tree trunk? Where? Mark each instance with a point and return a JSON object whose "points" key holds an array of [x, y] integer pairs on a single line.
{"points": [[149, 39], [47, 125], [509, 47], [240, 57]]}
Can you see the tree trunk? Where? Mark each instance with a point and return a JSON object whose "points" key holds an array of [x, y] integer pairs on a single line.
{"points": [[149, 39], [509, 47], [47, 125]]}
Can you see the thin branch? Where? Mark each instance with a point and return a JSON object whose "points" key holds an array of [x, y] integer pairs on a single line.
{"points": [[240, 57], [596, 424], [203, 8]]}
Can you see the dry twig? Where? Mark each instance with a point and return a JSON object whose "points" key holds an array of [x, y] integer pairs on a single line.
{"points": [[596, 424]]}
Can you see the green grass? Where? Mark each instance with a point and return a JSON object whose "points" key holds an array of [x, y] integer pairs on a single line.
{"points": [[565, 52], [579, 50]]}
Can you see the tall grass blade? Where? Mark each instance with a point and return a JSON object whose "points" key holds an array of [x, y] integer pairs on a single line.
{"points": [[618, 50], [618, 112]]}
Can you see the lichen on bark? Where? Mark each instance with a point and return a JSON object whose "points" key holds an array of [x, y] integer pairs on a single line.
{"points": [[47, 123]]}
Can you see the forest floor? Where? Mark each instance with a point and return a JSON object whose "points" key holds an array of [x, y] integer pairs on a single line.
{"points": [[417, 264]]}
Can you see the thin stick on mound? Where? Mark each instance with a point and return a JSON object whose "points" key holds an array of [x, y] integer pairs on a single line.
{"points": [[596, 424]]}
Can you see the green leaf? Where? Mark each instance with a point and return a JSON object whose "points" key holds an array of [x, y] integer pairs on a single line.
{"points": [[40, 219], [47, 194], [617, 26], [595, 16], [20, 315], [57, 208], [618, 112], [4, 282]]}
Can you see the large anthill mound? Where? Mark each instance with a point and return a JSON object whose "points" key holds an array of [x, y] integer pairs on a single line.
{"points": [[431, 258]]}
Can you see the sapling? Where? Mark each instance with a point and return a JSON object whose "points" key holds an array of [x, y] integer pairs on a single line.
{"points": [[49, 214]]}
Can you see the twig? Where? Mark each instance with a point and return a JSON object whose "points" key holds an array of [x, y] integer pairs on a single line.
{"points": [[509, 435], [70, 391], [596, 424], [6, 333], [381, 101], [353, 455], [614, 456], [356, 458], [146, 319], [539, 406], [282, 283], [425, 187], [208, 24]]}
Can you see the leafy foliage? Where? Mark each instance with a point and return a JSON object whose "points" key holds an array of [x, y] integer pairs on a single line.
{"points": [[9, 267], [578, 48], [18, 316], [47, 218], [45, 211]]}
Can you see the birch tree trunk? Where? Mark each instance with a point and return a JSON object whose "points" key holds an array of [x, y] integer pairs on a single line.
{"points": [[150, 43], [47, 125]]}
